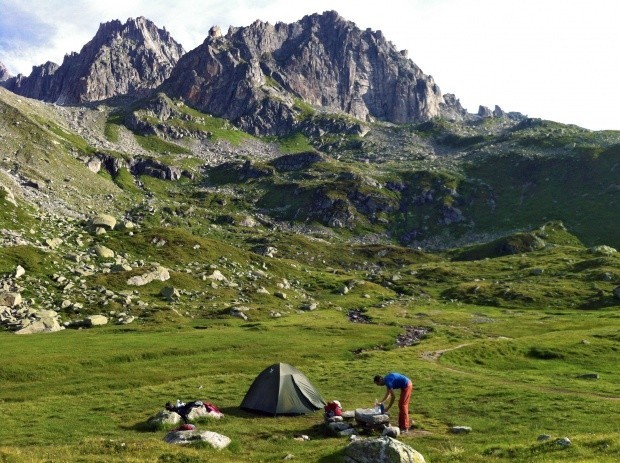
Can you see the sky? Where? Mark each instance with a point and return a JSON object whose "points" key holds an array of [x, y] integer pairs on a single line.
{"points": [[553, 59]]}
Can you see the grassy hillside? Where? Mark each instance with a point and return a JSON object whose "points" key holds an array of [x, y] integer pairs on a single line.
{"points": [[315, 239]]}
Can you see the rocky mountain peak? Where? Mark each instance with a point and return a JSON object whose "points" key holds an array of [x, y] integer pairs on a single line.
{"points": [[122, 59], [4, 73], [255, 75]]}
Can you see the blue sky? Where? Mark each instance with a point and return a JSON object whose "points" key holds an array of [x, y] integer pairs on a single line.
{"points": [[555, 59]]}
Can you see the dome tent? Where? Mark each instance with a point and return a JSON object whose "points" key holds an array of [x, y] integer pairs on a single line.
{"points": [[282, 389]]}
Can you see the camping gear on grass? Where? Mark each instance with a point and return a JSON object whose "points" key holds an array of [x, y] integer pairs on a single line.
{"points": [[282, 389], [333, 408]]}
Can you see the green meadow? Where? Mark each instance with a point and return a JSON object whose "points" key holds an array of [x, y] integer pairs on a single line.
{"points": [[510, 374]]}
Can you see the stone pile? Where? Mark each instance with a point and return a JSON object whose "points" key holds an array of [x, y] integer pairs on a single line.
{"points": [[411, 336], [360, 421], [16, 316]]}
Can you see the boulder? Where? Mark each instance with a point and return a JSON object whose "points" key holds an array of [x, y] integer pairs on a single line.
{"points": [[19, 272], [170, 293], [53, 243], [104, 252], [164, 419], [617, 292], [94, 164], [104, 221], [159, 273], [267, 251], [95, 320], [217, 276], [10, 299], [381, 450], [46, 324], [217, 441]]}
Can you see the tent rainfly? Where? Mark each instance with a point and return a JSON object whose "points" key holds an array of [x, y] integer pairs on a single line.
{"points": [[282, 389]]}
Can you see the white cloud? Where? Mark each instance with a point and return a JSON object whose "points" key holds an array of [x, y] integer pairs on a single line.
{"points": [[546, 58]]}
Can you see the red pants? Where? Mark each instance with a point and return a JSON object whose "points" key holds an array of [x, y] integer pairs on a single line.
{"points": [[403, 406]]}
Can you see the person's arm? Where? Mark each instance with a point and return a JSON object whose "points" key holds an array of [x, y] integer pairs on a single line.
{"points": [[389, 393]]}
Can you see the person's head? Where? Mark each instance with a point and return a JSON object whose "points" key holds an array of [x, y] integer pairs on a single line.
{"points": [[379, 381], [168, 406]]}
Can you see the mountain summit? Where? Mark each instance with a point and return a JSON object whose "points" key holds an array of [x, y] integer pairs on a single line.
{"points": [[121, 59], [260, 76]]}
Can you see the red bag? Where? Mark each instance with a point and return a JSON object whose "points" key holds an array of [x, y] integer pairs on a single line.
{"points": [[333, 408]]}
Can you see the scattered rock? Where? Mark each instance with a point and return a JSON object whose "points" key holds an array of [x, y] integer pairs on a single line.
{"points": [[159, 273], [47, 322], [104, 221], [356, 316], [170, 293], [603, 250], [95, 320], [460, 429], [217, 441], [391, 431], [10, 299], [104, 252], [310, 306], [411, 336], [589, 376], [563, 442], [381, 450], [617, 292], [19, 272], [163, 419], [543, 437], [53, 243], [217, 276]]}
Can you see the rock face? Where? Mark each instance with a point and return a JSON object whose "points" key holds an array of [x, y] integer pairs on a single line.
{"points": [[381, 450], [254, 75], [122, 59]]}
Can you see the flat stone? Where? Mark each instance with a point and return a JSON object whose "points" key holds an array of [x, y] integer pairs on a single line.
{"points": [[370, 416], [104, 221]]}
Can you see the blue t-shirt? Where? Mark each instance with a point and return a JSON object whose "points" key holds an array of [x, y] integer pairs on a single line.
{"points": [[395, 381]]}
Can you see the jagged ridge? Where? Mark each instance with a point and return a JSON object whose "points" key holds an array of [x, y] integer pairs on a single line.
{"points": [[121, 59], [256, 75]]}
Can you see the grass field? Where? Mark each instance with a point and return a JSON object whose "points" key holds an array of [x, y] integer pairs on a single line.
{"points": [[85, 395]]}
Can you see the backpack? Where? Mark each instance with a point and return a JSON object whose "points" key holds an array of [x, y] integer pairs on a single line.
{"points": [[333, 408]]}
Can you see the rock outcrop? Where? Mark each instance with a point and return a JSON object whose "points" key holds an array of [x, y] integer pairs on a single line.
{"points": [[122, 59], [256, 76]]}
